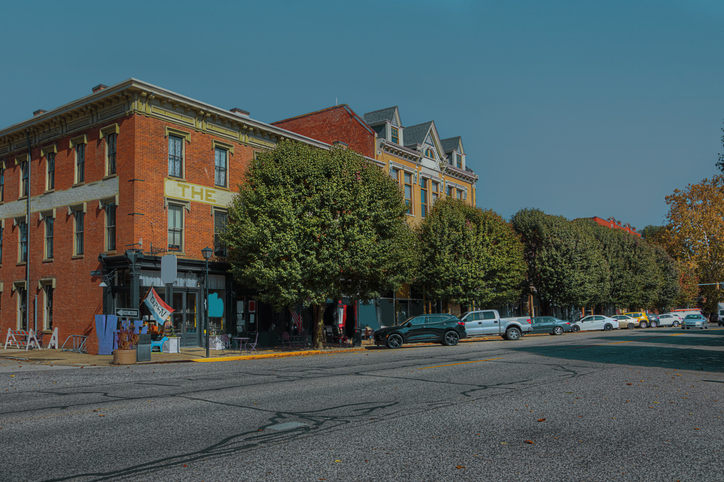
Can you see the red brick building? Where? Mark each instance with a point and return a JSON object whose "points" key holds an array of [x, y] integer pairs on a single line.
{"points": [[613, 223], [115, 180]]}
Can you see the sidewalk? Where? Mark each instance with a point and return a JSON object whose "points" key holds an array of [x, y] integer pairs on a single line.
{"points": [[195, 354]]}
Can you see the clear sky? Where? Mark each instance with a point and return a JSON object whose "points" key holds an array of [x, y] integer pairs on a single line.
{"points": [[579, 108]]}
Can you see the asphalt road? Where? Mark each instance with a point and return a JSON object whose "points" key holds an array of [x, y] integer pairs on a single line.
{"points": [[624, 405]]}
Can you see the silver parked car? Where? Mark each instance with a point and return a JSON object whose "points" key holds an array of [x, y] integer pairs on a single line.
{"points": [[696, 321], [595, 322], [669, 319]]}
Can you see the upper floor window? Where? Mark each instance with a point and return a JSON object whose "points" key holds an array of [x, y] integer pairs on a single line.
{"points": [[395, 174], [79, 163], [2, 228], [423, 198], [49, 221], [2, 181], [408, 192], [430, 153], [79, 232], [23, 241], [460, 193], [395, 135], [221, 158], [110, 226], [23, 178], [111, 153], [175, 156], [435, 191], [50, 171], [450, 191], [175, 227], [220, 219]]}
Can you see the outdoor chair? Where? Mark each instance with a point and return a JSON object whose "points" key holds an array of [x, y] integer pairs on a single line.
{"points": [[225, 341], [252, 346]]}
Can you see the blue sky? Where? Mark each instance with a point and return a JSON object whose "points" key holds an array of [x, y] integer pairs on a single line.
{"points": [[579, 108]]}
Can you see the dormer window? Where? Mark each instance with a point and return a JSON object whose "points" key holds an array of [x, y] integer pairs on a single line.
{"points": [[395, 135], [430, 153], [459, 160]]}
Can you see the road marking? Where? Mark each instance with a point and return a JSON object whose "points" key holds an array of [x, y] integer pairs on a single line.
{"points": [[618, 342], [460, 363]]}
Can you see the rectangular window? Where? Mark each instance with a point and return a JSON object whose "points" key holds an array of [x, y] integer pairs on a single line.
{"points": [[23, 238], [78, 215], [460, 193], [2, 183], [80, 163], [394, 134], [221, 157], [24, 178], [459, 159], [110, 227], [111, 153], [48, 308], [22, 321], [423, 198], [220, 219], [395, 174], [435, 191], [408, 192], [175, 227], [175, 156], [449, 191], [49, 237], [50, 172]]}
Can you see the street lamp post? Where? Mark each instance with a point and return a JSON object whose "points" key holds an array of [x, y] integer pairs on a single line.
{"points": [[207, 252]]}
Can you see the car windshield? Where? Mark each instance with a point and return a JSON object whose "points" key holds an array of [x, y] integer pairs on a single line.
{"points": [[692, 317]]}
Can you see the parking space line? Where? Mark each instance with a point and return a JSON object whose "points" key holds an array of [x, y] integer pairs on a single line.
{"points": [[460, 363]]}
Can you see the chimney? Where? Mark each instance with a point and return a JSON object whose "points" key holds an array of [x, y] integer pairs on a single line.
{"points": [[99, 87], [240, 112], [39, 112]]}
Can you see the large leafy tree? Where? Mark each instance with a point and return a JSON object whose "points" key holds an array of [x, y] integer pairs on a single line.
{"points": [[311, 225], [697, 233], [469, 255], [565, 263]]}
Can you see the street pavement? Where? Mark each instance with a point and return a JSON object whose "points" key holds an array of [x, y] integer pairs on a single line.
{"points": [[624, 405]]}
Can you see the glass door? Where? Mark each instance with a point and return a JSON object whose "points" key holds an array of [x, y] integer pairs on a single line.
{"points": [[184, 316]]}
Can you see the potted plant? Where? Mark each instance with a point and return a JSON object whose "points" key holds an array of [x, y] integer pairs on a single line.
{"points": [[173, 342], [125, 354]]}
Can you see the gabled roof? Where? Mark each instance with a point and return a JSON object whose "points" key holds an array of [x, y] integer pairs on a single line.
{"points": [[383, 115], [451, 144], [417, 134]]}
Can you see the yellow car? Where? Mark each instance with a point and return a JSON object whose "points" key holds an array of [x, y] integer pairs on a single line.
{"points": [[642, 321]]}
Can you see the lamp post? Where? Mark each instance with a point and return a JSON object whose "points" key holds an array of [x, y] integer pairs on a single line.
{"points": [[207, 252]]}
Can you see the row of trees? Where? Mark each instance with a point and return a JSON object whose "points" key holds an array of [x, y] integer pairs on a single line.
{"points": [[310, 225]]}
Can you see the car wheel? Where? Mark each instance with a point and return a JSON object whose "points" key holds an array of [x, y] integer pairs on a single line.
{"points": [[557, 330], [607, 327], [575, 328], [644, 325], [394, 341], [451, 338], [630, 326], [675, 324], [653, 324], [512, 334]]}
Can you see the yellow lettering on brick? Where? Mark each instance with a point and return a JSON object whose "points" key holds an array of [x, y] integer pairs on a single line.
{"points": [[199, 193], [210, 196]]}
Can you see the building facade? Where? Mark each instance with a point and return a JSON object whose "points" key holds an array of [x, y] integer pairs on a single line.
{"points": [[95, 192]]}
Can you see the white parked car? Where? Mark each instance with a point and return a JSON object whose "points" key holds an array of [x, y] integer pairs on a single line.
{"points": [[595, 322], [670, 319]]}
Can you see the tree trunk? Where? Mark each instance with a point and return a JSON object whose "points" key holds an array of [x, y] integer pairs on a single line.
{"points": [[318, 326]]}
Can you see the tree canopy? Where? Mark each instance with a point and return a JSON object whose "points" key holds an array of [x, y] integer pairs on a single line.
{"points": [[311, 224], [469, 255]]}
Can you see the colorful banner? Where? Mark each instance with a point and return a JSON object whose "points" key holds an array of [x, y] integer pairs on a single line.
{"points": [[160, 310]]}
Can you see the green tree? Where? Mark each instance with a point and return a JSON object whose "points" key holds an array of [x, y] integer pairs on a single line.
{"points": [[310, 225], [669, 276], [565, 263], [469, 255]]}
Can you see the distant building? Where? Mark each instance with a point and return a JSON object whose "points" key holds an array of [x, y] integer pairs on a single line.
{"points": [[613, 223]]}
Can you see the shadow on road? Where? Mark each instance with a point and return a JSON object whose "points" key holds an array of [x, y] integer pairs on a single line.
{"points": [[685, 351]]}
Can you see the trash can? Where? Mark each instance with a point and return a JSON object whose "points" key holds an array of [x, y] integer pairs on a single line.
{"points": [[357, 337], [143, 350]]}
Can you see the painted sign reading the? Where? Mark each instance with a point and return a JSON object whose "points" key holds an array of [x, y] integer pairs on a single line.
{"points": [[196, 193]]}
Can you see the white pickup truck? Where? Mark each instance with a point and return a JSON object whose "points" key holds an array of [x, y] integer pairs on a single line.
{"points": [[489, 322]]}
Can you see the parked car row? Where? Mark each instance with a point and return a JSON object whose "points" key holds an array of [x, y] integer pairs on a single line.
{"points": [[449, 329]]}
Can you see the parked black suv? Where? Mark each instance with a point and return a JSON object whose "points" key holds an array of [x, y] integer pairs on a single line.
{"points": [[432, 328]]}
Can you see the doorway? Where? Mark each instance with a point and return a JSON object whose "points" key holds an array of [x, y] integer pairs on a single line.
{"points": [[185, 319]]}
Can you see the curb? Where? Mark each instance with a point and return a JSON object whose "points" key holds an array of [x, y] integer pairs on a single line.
{"points": [[272, 355]]}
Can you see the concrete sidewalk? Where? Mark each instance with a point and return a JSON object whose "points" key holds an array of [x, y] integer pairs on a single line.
{"points": [[195, 354]]}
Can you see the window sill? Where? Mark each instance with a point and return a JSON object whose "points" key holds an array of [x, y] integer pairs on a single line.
{"points": [[79, 184], [182, 179], [48, 260], [110, 176], [221, 187], [77, 256], [22, 197], [113, 251], [21, 263], [48, 191]]}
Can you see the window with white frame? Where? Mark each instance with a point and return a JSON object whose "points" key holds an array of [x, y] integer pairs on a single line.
{"points": [[48, 307], [2, 181], [22, 318], [408, 192], [435, 191], [221, 160], [220, 220], [50, 171], [175, 156], [79, 163], [24, 178], [175, 227], [110, 209], [423, 197], [22, 241], [395, 135], [49, 227], [111, 153], [78, 228]]}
